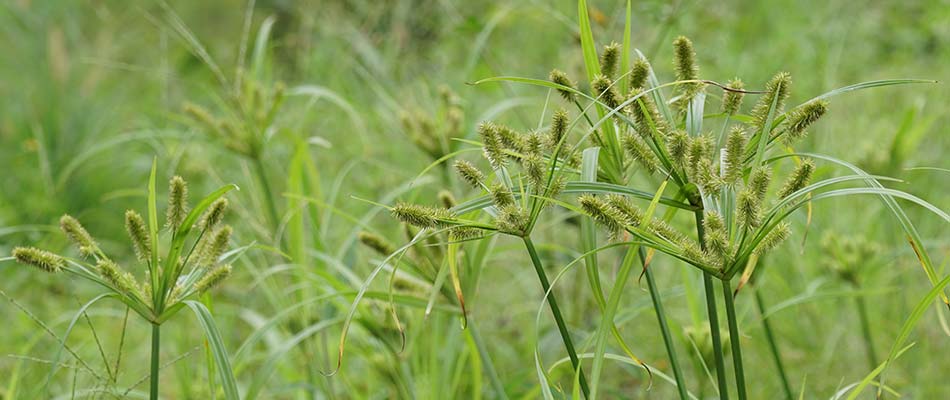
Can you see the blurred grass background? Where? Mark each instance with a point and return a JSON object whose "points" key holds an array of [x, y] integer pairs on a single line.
{"points": [[92, 90]]}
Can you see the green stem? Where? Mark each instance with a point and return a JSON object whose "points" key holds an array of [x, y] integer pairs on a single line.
{"points": [[773, 347], [664, 328], [265, 185], [734, 338], [713, 315], [558, 318], [487, 363], [866, 331], [153, 383]]}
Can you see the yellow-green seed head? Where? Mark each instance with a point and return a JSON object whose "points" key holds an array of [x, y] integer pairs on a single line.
{"points": [[609, 59], [639, 74], [215, 213], [78, 235], [447, 199], [798, 179], [678, 145], [684, 59], [632, 214], [759, 182], [463, 233], [422, 216], [647, 116], [801, 118], [777, 90], [377, 243], [735, 153], [216, 246], [559, 124], [610, 218], [603, 89], [469, 173], [141, 243], [41, 259], [177, 202], [493, 148], [534, 168], [747, 209], [731, 99], [501, 196], [641, 152], [119, 279], [562, 79], [213, 278], [774, 238], [512, 220]]}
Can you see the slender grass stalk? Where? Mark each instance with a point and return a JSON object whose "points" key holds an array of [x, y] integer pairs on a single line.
{"points": [[734, 338], [866, 331], [156, 347], [713, 315], [664, 328], [265, 185], [558, 318], [773, 347], [487, 363]]}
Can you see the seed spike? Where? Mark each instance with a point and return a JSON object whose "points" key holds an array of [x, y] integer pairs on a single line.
{"points": [[501, 196], [135, 226], [447, 199], [562, 79], [422, 216], [469, 173], [802, 117], [684, 62], [777, 90], [78, 235], [215, 214], [177, 203], [41, 259], [735, 152], [213, 278], [512, 220], [646, 115], [732, 100], [609, 59], [610, 218], [747, 209], [632, 213], [774, 238], [119, 279], [603, 88], [216, 246], [641, 152], [377, 243], [639, 74], [493, 148], [798, 179], [759, 182], [559, 124]]}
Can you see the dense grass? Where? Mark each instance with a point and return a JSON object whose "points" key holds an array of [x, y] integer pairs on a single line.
{"points": [[94, 92]]}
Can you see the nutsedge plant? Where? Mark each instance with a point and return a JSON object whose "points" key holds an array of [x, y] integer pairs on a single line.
{"points": [[159, 284]]}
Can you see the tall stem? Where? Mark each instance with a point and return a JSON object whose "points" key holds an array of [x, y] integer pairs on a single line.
{"points": [[558, 318], [268, 194], [773, 347], [866, 330], [664, 328], [153, 376], [734, 338], [713, 315]]}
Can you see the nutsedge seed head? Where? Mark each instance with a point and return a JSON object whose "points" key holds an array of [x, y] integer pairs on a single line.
{"points": [[759, 182], [213, 278], [463, 233], [798, 179], [646, 115], [421, 216], [447, 199], [78, 235], [512, 220], [732, 100], [609, 59], [216, 246], [684, 59], [639, 74], [135, 226], [777, 90], [177, 202], [559, 124], [604, 215], [747, 209], [678, 146], [41, 259], [774, 238], [641, 152], [215, 213], [469, 173], [632, 213], [802, 117], [501, 196], [118, 278], [494, 150], [603, 89], [534, 168], [735, 152], [377, 243], [562, 79]]}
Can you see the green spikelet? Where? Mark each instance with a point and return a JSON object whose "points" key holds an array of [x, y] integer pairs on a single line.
{"points": [[774, 238], [78, 235], [646, 115], [609, 59], [699, 154], [202, 116], [463, 233], [798, 179], [679, 144], [735, 152], [213, 278], [684, 62], [692, 252], [533, 143], [747, 209], [177, 203], [509, 138], [709, 182], [512, 220], [665, 230], [41, 259], [377, 243], [556, 187], [119, 279], [493, 148], [561, 78], [801, 118], [716, 238], [641, 152], [215, 247], [215, 214], [632, 214], [135, 226], [534, 168], [759, 182], [447, 199], [501, 196], [469, 173], [559, 124], [731, 100], [422, 216], [603, 88], [639, 74], [776, 90], [610, 218]]}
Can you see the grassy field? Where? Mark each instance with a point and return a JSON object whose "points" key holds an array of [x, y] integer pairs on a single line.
{"points": [[334, 119]]}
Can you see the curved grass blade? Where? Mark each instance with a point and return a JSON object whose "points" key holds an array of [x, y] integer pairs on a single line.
{"points": [[218, 350]]}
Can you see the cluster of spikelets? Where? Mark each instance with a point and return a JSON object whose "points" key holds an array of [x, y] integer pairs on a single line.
{"points": [[247, 120], [202, 262], [720, 168], [433, 133], [515, 197], [846, 254]]}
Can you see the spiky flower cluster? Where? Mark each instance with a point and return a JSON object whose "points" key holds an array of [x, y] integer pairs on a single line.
{"points": [[243, 128], [433, 132], [203, 263]]}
